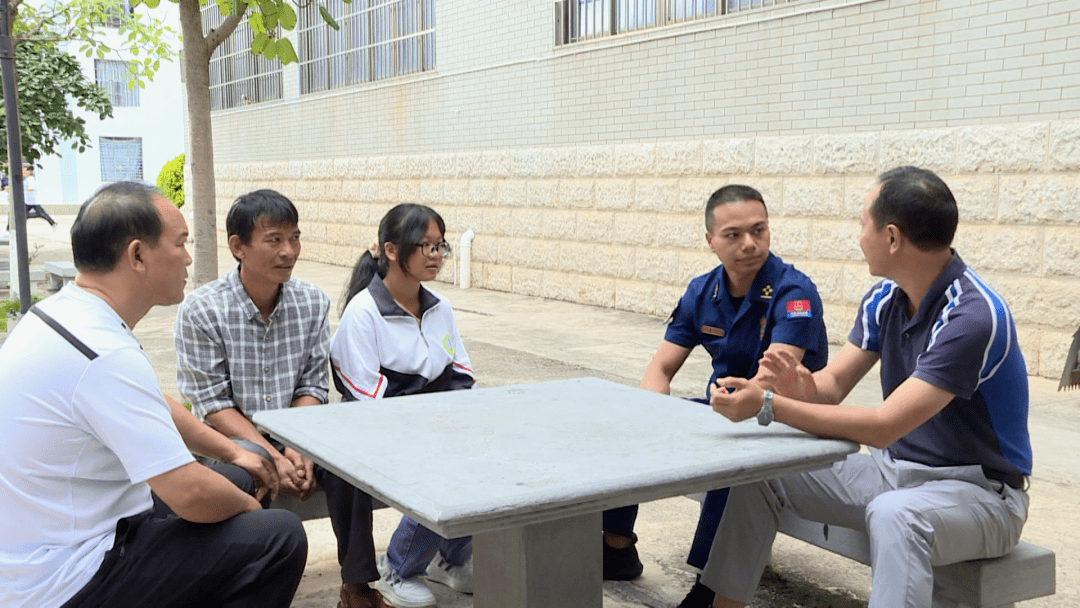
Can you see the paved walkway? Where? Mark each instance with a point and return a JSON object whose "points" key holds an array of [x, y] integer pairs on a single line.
{"points": [[516, 339]]}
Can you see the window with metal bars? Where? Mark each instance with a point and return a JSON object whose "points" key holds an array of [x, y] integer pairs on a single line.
{"points": [[113, 76], [121, 158], [377, 39], [578, 20], [114, 14], [237, 76]]}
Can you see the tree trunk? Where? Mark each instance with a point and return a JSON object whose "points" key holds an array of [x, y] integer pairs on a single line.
{"points": [[200, 129]]}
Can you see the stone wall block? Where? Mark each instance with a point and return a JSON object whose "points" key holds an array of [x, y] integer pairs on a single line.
{"points": [[374, 167], [1053, 348], [302, 191], [526, 163], [596, 291], [344, 168], [444, 165], [636, 296], [596, 161], [855, 191], [367, 192], [836, 240], [466, 218], [693, 263], [839, 319], [771, 189], [857, 281], [431, 192], [418, 166], [1038, 302], [576, 193], [695, 193], [558, 286], [296, 170], [982, 247], [557, 223], [1048, 199], [827, 276], [496, 221], [814, 197], [657, 268], [316, 169], [511, 193], [846, 154], [635, 159], [667, 297], [397, 166], [1030, 341], [658, 195], [481, 192], [578, 257], [614, 193], [456, 192], [790, 238], [784, 155], [387, 195], [350, 190], [1065, 145], [484, 248], [1006, 148], [595, 226], [526, 281], [515, 251], [543, 193], [728, 156], [976, 197], [1062, 253], [498, 277], [525, 222], [496, 163], [618, 261], [933, 149], [469, 164], [636, 229], [545, 254], [335, 234], [678, 158], [447, 274], [676, 231], [409, 191], [559, 162]]}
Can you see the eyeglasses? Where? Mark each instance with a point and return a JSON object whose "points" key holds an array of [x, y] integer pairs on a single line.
{"points": [[429, 249]]}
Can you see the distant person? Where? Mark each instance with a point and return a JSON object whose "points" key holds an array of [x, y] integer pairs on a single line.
{"points": [[945, 480], [30, 197], [398, 338], [752, 303], [257, 340], [101, 501]]}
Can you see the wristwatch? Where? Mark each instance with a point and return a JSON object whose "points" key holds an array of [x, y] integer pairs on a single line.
{"points": [[765, 415]]}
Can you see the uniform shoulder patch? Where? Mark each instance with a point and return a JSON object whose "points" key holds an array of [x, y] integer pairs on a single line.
{"points": [[798, 308]]}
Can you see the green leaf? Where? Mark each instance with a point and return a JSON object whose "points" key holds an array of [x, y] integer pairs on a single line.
{"points": [[328, 18], [259, 44], [270, 50], [269, 7], [255, 20], [285, 51], [100, 54], [151, 3], [225, 7], [287, 17], [131, 84], [271, 22]]}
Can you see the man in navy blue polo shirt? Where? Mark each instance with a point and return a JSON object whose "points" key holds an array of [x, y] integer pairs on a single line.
{"points": [[751, 303], [944, 481]]}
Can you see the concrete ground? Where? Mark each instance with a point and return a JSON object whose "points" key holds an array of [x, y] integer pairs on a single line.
{"points": [[515, 339]]}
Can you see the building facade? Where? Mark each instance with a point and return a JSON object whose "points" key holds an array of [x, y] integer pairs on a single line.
{"points": [[580, 139], [145, 132]]}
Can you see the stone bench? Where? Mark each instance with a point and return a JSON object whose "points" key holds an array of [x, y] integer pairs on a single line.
{"points": [[1026, 572], [59, 274]]}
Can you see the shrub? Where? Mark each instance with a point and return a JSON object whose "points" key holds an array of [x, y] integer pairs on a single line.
{"points": [[171, 181]]}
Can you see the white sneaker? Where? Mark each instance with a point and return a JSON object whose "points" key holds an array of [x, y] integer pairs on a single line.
{"points": [[458, 578], [399, 592]]}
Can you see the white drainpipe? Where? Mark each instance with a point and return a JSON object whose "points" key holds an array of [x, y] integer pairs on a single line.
{"points": [[465, 256]]}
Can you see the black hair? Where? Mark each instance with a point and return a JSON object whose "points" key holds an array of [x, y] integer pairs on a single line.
{"points": [[732, 193], [270, 205], [112, 217], [919, 204], [405, 226]]}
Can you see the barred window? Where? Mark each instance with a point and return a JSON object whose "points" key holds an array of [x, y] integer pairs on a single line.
{"points": [[577, 20], [113, 76], [114, 13], [121, 158], [377, 39], [238, 76]]}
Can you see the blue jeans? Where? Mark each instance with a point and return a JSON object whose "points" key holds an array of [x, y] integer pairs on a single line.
{"points": [[412, 547]]}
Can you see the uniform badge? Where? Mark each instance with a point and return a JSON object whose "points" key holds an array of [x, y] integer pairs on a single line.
{"points": [[712, 331], [798, 308], [448, 344], [766, 292]]}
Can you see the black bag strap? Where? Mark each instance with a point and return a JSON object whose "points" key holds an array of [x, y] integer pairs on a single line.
{"points": [[53, 323]]}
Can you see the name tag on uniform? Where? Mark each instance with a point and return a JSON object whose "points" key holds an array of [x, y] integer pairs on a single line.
{"points": [[712, 331]]}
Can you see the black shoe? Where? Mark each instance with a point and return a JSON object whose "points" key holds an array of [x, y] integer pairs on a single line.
{"points": [[622, 564], [700, 596]]}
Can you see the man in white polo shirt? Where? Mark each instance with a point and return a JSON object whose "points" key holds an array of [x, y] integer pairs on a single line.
{"points": [[86, 438]]}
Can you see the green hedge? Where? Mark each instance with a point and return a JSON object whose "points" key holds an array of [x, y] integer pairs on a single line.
{"points": [[171, 181]]}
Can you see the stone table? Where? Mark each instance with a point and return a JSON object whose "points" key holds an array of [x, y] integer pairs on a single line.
{"points": [[528, 469]]}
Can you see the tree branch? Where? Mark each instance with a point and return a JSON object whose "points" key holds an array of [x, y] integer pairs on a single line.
{"points": [[223, 31]]}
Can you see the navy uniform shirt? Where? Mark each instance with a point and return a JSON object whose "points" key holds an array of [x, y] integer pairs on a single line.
{"points": [[782, 306], [961, 339]]}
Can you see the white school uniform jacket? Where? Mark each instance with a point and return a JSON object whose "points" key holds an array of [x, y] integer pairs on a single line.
{"points": [[379, 350]]}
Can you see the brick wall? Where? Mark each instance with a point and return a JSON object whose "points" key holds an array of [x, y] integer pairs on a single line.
{"points": [[622, 225]]}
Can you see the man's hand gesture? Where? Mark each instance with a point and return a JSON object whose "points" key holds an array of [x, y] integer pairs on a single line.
{"points": [[297, 474], [262, 472], [787, 376]]}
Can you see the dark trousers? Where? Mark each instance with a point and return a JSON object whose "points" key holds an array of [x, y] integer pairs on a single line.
{"points": [[33, 211], [621, 521], [159, 560], [350, 516]]}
